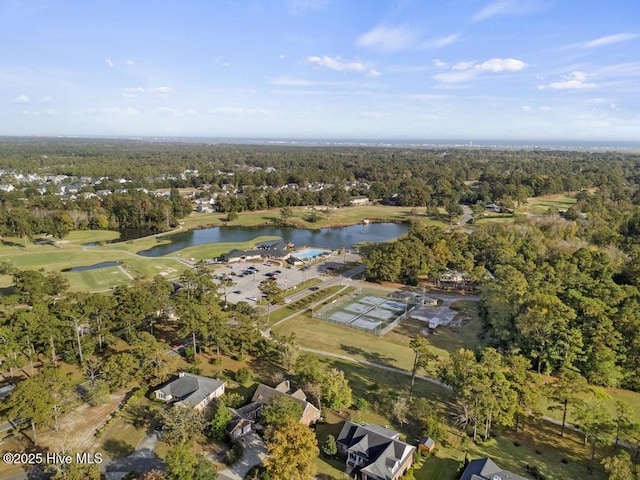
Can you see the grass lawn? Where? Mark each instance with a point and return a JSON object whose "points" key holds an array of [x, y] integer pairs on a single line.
{"points": [[543, 203], [391, 349], [497, 218], [301, 216], [124, 434]]}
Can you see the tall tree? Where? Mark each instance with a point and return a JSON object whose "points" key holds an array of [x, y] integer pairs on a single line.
{"points": [[527, 386], [182, 424], [421, 357], [336, 390], [280, 410], [292, 449], [594, 421], [623, 420], [566, 390], [273, 294]]}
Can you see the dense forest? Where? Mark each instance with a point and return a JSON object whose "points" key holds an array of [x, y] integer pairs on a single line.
{"points": [[249, 177]]}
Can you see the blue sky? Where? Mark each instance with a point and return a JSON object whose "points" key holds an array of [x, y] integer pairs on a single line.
{"points": [[371, 69]]}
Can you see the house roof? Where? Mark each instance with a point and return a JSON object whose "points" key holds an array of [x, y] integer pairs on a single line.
{"points": [[381, 448], [428, 442], [190, 389], [486, 469], [264, 394]]}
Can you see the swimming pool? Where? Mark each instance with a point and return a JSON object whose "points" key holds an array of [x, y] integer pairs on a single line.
{"points": [[308, 253]]}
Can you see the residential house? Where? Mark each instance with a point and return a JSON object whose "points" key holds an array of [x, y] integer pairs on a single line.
{"points": [[359, 200], [247, 417], [375, 452], [486, 469], [189, 390]]}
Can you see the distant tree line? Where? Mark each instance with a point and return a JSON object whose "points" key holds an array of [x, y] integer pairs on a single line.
{"points": [[251, 177]]}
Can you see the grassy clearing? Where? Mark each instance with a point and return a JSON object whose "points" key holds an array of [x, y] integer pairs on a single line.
{"points": [[467, 336], [498, 218], [302, 215], [543, 203], [314, 333], [391, 349]]}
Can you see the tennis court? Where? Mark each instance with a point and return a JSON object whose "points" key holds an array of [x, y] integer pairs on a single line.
{"points": [[367, 312]]}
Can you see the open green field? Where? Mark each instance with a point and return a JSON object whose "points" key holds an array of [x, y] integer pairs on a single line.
{"points": [[329, 217], [543, 203], [391, 349], [71, 253]]}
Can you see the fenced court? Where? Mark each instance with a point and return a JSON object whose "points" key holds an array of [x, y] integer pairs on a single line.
{"points": [[364, 311]]}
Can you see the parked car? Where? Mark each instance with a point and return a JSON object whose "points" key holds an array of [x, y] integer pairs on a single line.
{"points": [[237, 292], [314, 289], [253, 299]]}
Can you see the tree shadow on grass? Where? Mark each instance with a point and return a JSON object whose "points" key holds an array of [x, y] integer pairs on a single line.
{"points": [[117, 448], [144, 416], [373, 357], [8, 243]]}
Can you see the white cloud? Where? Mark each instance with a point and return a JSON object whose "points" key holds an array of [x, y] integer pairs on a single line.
{"points": [[22, 99], [337, 63], [463, 65], [130, 63], [238, 112], [508, 7], [48, 112], [455, 76], [574, 81], [46, 100], [388, 39], [502, 65], [439, 63], [526, 108], [132, 92], [169, 112], [109, 63], [161, 92], [441, 42], [464, 71], [545, 109], [113, 111], [610, 40]]}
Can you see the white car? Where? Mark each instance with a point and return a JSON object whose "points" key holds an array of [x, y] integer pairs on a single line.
{"points": [[287, 300], [253, 299]]}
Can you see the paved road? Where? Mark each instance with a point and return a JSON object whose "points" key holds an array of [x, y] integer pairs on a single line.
{"points": [[254, 452]]}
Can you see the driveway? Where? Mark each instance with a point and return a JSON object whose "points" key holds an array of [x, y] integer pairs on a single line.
{"points": [[142, 460], [254, 452]]}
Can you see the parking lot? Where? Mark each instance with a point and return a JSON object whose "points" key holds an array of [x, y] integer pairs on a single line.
{"points": [[246, 276]]}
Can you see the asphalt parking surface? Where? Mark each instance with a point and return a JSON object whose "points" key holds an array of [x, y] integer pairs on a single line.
{"points": [[247, 283]]}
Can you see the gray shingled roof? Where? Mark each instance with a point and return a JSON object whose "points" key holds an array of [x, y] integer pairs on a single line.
{"points": [[486, 469], [191, 389], [379, 445]]}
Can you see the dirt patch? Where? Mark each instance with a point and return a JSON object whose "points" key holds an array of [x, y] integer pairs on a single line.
{"points": [[76, 432], [77, 428]]}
